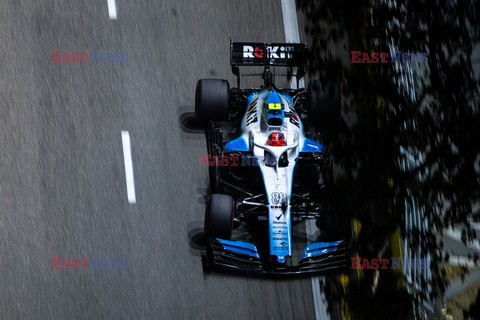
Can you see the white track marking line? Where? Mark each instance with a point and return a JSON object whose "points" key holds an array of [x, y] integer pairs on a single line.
{"points": [[290, 25], [290, 22], [112, 9], [456, 234], [127, 159], [319, 299]]}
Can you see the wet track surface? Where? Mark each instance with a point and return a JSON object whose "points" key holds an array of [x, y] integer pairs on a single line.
{"points": [[62, 179]]}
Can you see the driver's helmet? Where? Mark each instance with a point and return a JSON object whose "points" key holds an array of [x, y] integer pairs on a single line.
{"points": [[274, 110], [276, 139]]}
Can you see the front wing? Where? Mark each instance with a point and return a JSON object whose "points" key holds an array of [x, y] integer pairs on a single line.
{"points": [[244, 258]]}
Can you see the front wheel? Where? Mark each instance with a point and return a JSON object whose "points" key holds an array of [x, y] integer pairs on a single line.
{"points": [[219, 216], [212, 100]]}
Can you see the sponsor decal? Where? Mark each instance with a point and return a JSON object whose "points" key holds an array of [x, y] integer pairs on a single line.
{"points": [[252, 115], [274, 106], [294, 119], [383, 57], [269, 52], [393, 263], [94, 263], [259, 52], [86, 57], [253, 104]]}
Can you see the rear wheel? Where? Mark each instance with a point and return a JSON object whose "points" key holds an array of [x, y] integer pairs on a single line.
{"points": [[219, 216], [212, 100]]}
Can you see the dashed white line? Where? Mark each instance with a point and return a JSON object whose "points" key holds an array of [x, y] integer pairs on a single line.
{"points": [[112, 9], [127, 159], [290, 24]]}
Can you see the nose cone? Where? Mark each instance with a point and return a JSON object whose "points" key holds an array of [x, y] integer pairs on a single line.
{"points": [[273, 97], [274, 109]]}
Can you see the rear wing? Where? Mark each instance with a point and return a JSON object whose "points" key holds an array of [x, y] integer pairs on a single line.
{"points": [[264, 54], [290, 55]]}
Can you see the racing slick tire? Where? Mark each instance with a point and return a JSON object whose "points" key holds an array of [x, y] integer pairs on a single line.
{"points": [[219, 216], [323, 102], [212, 100]]}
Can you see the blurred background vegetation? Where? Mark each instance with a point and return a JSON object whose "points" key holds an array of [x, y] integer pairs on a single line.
{"points": [[409, 133]]}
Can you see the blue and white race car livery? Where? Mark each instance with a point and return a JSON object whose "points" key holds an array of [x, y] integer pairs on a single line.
{"points": [[280, 180]]}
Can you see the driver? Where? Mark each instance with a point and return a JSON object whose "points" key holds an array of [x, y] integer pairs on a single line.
{"points": [[276, 139]]}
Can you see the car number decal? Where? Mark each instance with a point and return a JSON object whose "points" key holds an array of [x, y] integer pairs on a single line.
{"points": [[279, 197]]}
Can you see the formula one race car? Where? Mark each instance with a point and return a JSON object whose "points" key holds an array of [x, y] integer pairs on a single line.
{"points": [[267, 172]]}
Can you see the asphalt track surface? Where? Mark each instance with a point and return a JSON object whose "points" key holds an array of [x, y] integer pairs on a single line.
{"points": [[62, 179]]}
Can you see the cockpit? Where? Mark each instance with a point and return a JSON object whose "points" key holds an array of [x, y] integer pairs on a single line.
{"points": [[276, 139]]}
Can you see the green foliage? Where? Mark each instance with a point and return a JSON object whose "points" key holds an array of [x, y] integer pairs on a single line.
{"points": [[440, 126]]}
